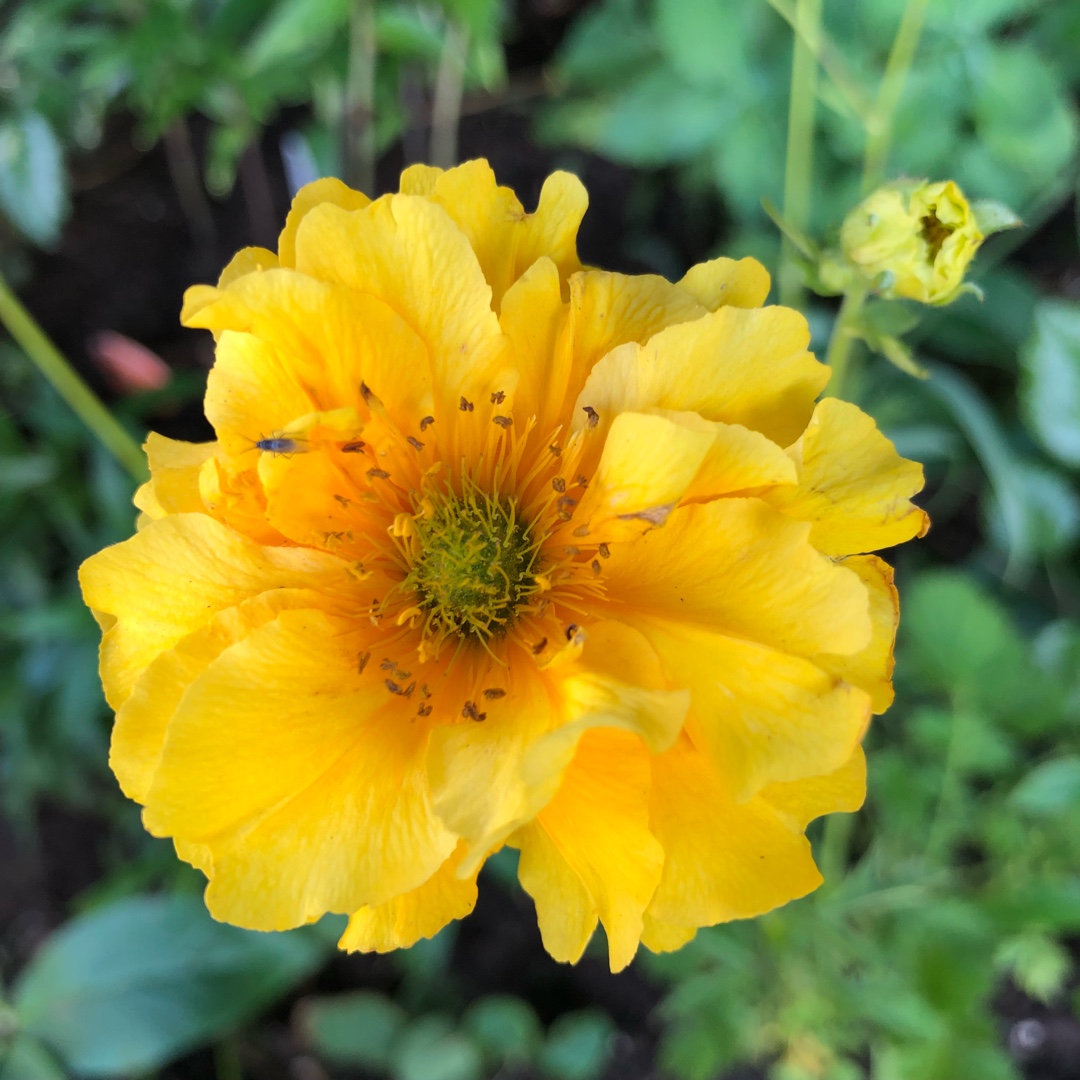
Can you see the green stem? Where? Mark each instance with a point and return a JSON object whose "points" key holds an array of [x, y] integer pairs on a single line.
{"points": [[69, 384], [360, 99], [897, 68], [799, 166], [449, 89], [834, 848], [842, 342]]}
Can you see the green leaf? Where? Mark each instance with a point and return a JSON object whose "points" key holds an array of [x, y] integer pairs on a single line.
{"points": [[351, 1029], [293, 28], [959, 640], [578, 1046], [992, 216], [1038, 963], [430, 1049], [707, 43], [29, 1060], [505, 1028], [606, 45], [128, 987], [1050, 789], [1052, 509], [1050, 388], [33, 182]]}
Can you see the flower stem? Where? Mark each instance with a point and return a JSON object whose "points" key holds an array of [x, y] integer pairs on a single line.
{"points": [[449, 89], [359, 125], [842, 341], [69, 384], [799, 165], [880, 122], [834, 848]]}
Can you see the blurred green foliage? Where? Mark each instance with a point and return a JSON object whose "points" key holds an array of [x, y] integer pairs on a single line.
{"points": [[961, 874]]}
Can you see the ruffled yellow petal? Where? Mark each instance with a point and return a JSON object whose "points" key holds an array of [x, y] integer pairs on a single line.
{"points": [[740, 283], [737, 860], [173, 487], [141, 722], [653, 461], [841, 791], [534, 319], [401, 922], [314, 787], [748, 367], [871, 668], [661, 937], [507, 241], [598, 825], [325, 340], [564, 910], [173, 576], [230, 490], [608, 310], [488, 778], [853, 485], [407, 252], [738, 567], [760, 714], [328, 190]]}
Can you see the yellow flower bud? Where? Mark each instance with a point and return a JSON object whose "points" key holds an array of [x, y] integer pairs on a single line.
{"points": [[914, 240]]}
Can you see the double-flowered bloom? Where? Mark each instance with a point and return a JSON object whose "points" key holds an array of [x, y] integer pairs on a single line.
{"points": [[491, 549]]}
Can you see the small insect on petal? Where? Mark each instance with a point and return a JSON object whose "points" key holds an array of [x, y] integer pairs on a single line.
{"points": [[278, 445]]}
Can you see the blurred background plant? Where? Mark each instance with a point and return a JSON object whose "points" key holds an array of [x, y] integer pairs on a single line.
{"points": [[143, 141]]}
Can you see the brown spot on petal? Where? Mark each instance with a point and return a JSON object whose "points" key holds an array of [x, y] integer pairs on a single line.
{"points": [[655, 515]]}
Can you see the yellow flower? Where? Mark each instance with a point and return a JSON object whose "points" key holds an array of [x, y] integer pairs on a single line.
{"points": [[492, 550], [914, 240]]}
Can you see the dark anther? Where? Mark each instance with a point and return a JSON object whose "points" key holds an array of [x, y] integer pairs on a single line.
{"points": [[539, 647], [388, 664], [559, 484], [592, 414], [605, 551], [581, 530], [393, 687], [555, 449], [378, 474], [571, 630], [426, 423], [424, 710], [471, 712], [353, 447], [414, 442], [567, 502], [344, 501], [361, 662], [466, 405], [596, 566], [498, 397], [502, 421], [494, 693], [581, 481]]}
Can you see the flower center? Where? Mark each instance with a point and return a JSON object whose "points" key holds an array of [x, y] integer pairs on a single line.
{"points": [[476, 565], [935, 233]]}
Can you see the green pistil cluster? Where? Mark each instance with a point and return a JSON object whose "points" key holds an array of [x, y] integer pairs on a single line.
{"points": [[477, 565]]}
